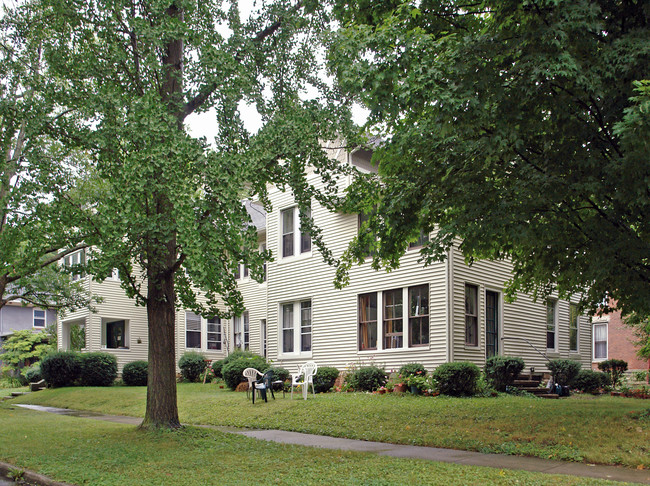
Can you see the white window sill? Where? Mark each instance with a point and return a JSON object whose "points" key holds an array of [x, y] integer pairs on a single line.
{"points": [[294, 258], [426, 347], [289, 356], [104, 348]]}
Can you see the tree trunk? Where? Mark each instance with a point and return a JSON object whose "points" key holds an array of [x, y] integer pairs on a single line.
{"points": [[162, 410]]}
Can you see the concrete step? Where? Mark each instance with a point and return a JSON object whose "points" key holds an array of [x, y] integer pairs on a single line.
{"points": [[533, 389], [18, 394], [552, 396]]}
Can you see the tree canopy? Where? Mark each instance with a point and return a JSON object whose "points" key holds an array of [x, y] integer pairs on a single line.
{"points": [[36, 178], [520, 130], [162, 207]]}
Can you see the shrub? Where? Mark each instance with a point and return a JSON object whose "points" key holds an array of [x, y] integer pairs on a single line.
{"points": [[135, 373], [33, 373], [589, 381], [565, 371], [324, 378], [61, 368], [98, 369], [232, 371], [217, 366], [281, 374], [366, 378], [502, 371], [192, 365], [411, 369], [614, 368], [457, 379]]}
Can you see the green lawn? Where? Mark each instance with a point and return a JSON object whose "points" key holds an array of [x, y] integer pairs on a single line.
{"points": [[582, 428], [5, 392], [82, 451]]}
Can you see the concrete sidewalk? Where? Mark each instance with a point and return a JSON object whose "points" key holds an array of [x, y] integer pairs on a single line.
{"points": [[467, 458]]}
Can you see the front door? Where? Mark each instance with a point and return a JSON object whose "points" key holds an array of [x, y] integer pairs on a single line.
{"points": [[491, 323]]}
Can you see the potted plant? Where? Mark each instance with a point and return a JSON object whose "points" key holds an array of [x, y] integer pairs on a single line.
{"points": [[418, 382], [397, 384]]}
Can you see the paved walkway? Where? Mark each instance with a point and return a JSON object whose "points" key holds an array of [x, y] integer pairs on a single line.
{"points": [[467, 458]]}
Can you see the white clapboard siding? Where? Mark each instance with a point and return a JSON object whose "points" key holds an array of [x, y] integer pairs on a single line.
{"points": [[519, 320]]}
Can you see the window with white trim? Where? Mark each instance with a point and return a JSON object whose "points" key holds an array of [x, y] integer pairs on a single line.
{"points": [[296, 327], [551, 324], [75, 258], [241, 331], [419, 315], [214, 333], [192, 330], [263, 336], [293, 242], [368, 321], [574, 317], [471, 315], [39, 318], [115, 334], [393, 319], [422, 240], [600, 342]]}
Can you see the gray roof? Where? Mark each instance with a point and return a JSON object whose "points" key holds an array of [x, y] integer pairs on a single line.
{"points": [[257, 214]]}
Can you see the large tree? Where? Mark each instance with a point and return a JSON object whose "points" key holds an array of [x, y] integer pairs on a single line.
{"points": [[520, 129], [167, 209], [36, 182]]}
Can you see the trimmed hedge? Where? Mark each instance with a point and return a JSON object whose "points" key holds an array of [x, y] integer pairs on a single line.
{"points": [[61, 368], [366, 378], [217, 366], [281, 374], [98, 369], [565, 371], [324, 378], [192, 364], [502, 371], [457, 379], [589, 381], [411, 369], [614, 368], [135, 373], [232, 371]]}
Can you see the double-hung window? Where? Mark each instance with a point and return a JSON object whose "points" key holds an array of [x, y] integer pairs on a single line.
{"points": [[422, 240], [294, 241], [574, 316], [296, 330], [551, 324], [600, 342], [419, 315], [76, 258], [368, 321], [471, 315], [192, 330], [214, 333], [393, 321], [39, 318]]}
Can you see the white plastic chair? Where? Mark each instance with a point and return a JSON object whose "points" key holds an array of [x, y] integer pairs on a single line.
{"points": [[251, 374], [307, 371]]}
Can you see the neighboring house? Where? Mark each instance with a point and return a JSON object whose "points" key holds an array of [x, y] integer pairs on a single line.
{"points": [[447, 311], [14, 316], [615, 340]]}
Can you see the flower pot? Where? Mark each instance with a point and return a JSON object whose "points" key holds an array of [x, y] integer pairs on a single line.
{"points": [[415, 390], [401, 388], [381, 392]]}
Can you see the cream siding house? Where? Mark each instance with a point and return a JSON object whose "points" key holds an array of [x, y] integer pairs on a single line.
{"points": [[447, 311]]}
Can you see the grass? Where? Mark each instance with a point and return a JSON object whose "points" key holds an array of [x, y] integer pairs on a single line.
{"points": [[100, 453], [603, 430], [5, 392]]}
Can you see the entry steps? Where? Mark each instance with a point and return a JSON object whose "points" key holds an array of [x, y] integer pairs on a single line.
{"points": [[529, 382]]}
